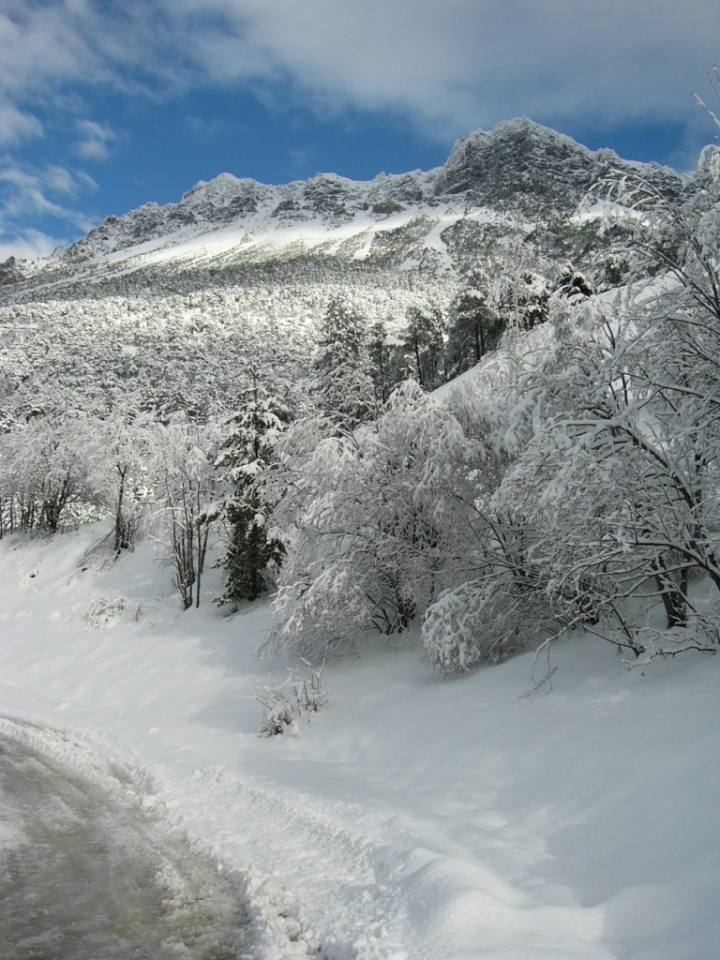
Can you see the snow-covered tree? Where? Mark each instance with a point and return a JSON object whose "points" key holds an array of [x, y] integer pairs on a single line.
{"points": [[186, 492], [254, 553], [573, 285], [522, 299], [374, 519], [342, 385], [122, 473], [46, 468], [610, 506], [424, 339], [386, 365], [475, 327]]}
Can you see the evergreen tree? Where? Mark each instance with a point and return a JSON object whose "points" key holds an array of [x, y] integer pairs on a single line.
{"points": [[424, 340], [386, 362], [342, 384], [573, 285], [475, 327], [253, 553], [524, 300]]}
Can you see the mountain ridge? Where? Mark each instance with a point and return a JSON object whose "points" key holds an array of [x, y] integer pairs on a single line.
{"points": [[519, 168]]}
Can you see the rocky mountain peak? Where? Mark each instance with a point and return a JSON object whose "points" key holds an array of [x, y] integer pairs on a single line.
{"points": [[222, 198], [521, 164]]}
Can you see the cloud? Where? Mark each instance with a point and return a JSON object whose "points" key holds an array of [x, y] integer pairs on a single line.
{"points": [[95, 140], [27, 244], [204, 129], [455, 64], [51, 42], [450, 65], [60, 180], [86, 180], [27, 195], [16, 126]]}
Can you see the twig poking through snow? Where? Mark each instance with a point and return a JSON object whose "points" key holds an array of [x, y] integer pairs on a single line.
{"points": [[531, 691]]}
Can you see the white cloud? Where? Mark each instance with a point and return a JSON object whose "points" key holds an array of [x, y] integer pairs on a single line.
{"points": [[455, 64], [86, 180], [202, 128], [26, 194], [60, 180], [16, 126], [95, 140], [28, 244], [56, 41], [449, 64]]}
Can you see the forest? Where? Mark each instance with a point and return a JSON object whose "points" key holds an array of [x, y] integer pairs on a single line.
{"points": [[502, 455]]}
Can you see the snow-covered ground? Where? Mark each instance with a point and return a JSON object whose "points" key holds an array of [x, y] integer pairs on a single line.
{"points": [[415, 818]]}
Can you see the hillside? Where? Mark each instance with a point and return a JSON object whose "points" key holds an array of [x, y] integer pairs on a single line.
{"points": [[518, 180], [166, 307]]}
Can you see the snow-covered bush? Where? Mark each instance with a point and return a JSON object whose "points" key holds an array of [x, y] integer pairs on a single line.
{"points": [[104, 611], [277, 710], [283, 706], [46, 473], [479, 621]]}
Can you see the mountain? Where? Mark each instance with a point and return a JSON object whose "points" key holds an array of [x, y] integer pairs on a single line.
{"points": [[514, 179], [240, 271], [522, 166]]}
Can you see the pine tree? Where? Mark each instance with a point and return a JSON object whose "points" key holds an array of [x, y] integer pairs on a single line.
{"points": [[342, 384], [475, 327], [386, 362], [424, 340], [524, 300], [573, 285], [253, 553]]}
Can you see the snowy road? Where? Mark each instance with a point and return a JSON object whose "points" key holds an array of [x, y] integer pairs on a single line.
{"points": [[86, 875]]}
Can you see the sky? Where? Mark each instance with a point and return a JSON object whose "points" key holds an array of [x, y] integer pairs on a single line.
{"points": [[109, 104]]}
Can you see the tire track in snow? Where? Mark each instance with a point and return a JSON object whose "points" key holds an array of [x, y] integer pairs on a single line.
{"points": [[333, 866]]}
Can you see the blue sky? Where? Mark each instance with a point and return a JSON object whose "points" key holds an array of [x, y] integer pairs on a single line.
{"points": [[108, 104]]}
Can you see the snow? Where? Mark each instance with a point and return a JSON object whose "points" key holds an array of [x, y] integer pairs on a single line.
{"points": [[605, 210], [263, 234], [415, 818]]}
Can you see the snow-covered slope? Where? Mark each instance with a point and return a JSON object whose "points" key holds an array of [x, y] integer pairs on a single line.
{"points": [[415, 818], [519, 168]]}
